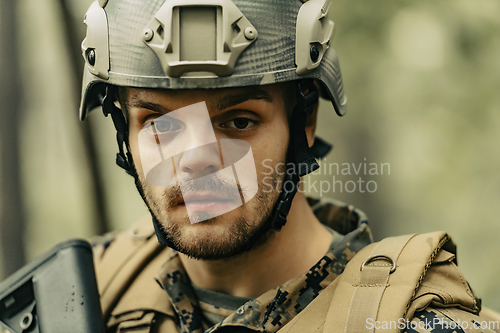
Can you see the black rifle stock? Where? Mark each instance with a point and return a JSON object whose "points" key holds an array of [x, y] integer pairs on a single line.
{"points": [[56, 293]]}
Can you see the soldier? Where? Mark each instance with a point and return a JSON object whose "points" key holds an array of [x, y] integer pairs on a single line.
{"points": [[215, 105]]}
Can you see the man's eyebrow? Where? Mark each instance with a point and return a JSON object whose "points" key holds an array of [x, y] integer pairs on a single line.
{"points": [[254, 93], [155, 107]]}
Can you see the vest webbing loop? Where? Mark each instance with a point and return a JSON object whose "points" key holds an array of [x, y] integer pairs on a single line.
{"points": [[373, 281]]}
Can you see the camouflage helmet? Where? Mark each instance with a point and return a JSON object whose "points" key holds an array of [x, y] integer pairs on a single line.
{"points": [[199, 44]]}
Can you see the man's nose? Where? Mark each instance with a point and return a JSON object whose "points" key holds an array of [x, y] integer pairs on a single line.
{"points": [[200, 161]]}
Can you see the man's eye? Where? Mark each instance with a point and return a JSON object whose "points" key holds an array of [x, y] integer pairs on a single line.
{"points": [[239, 123], [160, 126]]}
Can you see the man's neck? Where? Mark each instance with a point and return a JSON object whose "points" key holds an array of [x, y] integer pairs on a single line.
{"points": [[301, 243]]}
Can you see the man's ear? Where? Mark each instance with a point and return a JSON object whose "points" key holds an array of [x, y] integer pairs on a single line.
{"points": [[311, 125]]}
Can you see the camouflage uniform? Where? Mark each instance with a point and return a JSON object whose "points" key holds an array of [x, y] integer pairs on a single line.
{"points": [[275, 308]]}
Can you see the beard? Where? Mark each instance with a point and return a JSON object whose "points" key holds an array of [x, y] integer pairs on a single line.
{"points": [[221, 237]]}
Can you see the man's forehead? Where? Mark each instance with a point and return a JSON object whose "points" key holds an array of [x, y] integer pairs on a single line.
{"points": [[216, 99]]}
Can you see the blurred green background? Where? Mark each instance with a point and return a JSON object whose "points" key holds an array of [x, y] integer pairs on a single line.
{"points": [[423, 85]]}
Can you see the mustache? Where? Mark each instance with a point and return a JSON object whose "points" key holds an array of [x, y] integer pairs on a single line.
{"points": [[213, 183]]}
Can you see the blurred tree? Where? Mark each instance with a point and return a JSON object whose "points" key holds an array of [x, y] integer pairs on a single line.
{"points": [[12, 220], [74, 34]]}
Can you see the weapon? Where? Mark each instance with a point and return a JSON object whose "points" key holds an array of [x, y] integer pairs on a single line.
{"points": [[55, 293]]}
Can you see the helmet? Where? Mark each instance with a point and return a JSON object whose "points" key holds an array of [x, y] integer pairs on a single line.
{"points": [[206, 44], [197, 44]]}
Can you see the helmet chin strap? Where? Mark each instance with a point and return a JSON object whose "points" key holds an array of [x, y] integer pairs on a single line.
{"points": [[124, 157], [300, 160]]}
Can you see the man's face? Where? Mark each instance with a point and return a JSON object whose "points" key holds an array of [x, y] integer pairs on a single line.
{"points": [[188, 209]]}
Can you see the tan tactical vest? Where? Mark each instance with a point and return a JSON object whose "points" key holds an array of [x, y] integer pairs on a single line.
{"points": [[385, 282]]}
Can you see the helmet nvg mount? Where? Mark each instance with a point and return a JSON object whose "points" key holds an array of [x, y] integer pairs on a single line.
{"points": [[204, 44]]}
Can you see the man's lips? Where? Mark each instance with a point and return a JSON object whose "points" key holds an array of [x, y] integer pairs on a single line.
{"points": [[205, 196], [207, 201]]}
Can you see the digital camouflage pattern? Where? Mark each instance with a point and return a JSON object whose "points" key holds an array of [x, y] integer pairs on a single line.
{"points": [[433, 320]]}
